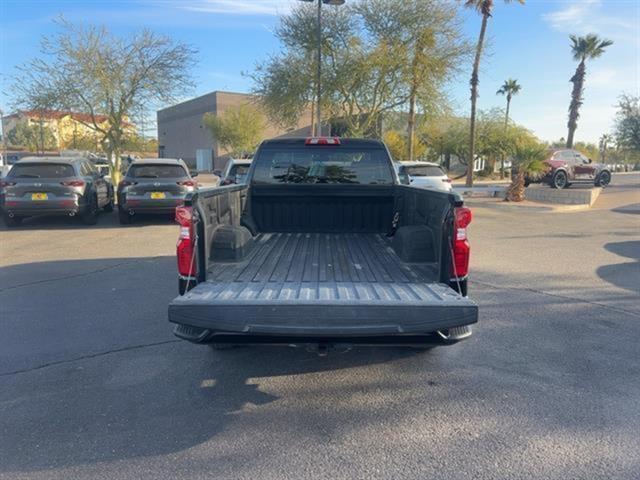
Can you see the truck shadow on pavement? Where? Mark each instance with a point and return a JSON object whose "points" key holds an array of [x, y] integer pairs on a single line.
{"points": [[90, 372], [625, 275], [169, 398]]}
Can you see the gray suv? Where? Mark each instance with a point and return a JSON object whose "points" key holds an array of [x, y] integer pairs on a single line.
{"points": [[154, 185], [69, 186]]}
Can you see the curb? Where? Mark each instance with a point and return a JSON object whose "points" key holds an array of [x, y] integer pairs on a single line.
{"points": [[528, 206]]}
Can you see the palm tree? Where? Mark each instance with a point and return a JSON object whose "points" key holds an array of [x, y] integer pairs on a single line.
{"points": [[484, 8], [583, 48], [509, 88], [528, 160]]}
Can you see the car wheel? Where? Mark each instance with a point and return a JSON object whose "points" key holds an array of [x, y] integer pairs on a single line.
{"points": [[559, 180], [604, 179], [90, 216], [11, 221], [124, 217]]}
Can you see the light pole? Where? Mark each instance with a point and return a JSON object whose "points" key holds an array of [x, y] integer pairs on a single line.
{"points": [[318, 131]]}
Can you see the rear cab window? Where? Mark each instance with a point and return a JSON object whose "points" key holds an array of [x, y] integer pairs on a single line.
{"points": [[156, 171], [365, 164], [42, 170]]}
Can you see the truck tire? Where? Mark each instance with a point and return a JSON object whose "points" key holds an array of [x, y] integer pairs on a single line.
{"points": [[559, 180]]}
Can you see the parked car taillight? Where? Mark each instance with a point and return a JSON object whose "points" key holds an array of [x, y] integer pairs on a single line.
{"points": [[188, 183], [73, 183], [126, 183], [461, 248], [186, 242], [446, 180], [4, 183]]}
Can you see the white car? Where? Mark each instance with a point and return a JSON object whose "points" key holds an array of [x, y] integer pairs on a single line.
{"points": [[235, 171], [423, 175]]}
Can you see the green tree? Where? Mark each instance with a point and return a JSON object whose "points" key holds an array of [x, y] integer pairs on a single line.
{"points": [[88, 69], [627, 127], [238, 130], [137, 143], [35, 138], [484, 8], [371, 51], [397, 144], [528, 158], [583, 49], [590, 150], [429, 38]]}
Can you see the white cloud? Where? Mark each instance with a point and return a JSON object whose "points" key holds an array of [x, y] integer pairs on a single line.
{"points": [[236, 7], [588, 16]]}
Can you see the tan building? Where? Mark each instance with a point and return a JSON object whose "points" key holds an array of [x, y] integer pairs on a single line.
{"points": [[67, 127], [182, 133]]}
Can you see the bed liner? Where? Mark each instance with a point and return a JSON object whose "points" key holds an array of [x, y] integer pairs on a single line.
{"points": [[362, 286]]}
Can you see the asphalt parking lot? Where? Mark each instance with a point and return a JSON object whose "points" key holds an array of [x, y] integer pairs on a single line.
{"points": [[94, 385]]}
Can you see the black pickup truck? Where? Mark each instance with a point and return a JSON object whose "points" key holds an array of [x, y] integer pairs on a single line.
{"points": [[323, 246]]}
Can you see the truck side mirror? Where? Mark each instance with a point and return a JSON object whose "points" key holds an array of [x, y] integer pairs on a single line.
{"points": [[217, 173]]}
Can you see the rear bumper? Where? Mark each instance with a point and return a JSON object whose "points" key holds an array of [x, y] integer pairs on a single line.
{"points": [[46, 207], [152, 206], [320, 319]]}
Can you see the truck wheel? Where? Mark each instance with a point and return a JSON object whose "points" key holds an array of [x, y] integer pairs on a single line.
{"points": [[124, 217], [11, 221], [559, 180], [90, 216]]}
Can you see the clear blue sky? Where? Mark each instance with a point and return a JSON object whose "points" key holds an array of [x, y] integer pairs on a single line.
{"points": [[529, 43]]}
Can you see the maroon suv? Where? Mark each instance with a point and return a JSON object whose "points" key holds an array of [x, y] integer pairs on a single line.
{"points": [[567, 167]]}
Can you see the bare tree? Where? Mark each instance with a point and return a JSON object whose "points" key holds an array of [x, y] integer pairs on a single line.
{"points": [[90, 70]]}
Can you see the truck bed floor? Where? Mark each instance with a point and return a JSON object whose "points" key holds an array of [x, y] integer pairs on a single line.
{"points": [[322, 257], [322, 284]]}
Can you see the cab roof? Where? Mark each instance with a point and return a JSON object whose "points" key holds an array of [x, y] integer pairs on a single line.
{"points": [[358, 142]]}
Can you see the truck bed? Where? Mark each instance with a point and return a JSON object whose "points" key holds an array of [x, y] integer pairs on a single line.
{"points": [[322, 284]]}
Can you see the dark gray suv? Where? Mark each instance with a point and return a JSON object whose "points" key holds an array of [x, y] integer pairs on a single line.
{"points": [[154, 185], [54, 186]]}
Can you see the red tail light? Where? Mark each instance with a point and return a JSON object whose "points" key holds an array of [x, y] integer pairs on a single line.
{"points": [[446, 180], [7, 184], [185, 249], [73, 183], [188, 183], [322, 141], [461, 248], [126, 183]]}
